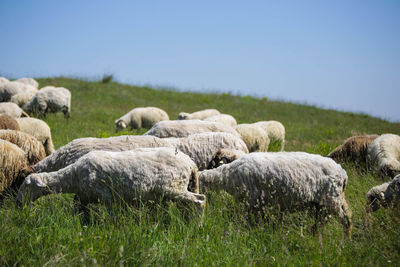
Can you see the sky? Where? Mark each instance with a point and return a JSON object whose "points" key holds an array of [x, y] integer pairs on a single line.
{"points": [[342, 54]]}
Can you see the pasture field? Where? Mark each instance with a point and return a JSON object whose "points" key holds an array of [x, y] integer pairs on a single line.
{"points": [[51, 233]]}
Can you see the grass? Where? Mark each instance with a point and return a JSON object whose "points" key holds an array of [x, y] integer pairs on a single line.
{"points": [[49, 232]]}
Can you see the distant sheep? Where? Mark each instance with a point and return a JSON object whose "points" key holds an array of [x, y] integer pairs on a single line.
{"points": [[199, 115], [385, 195], [7, 122], [7, 90], [33, 149], [384, 154], [50, 100], [38, 129], [199, 147], [29, 81], [285, 180], [354, 149], [22, 98], [224, 156], [141, 118], [184, 128], [13, 166], [275, 131], [224, 119], [254, 137], [11, 110], [145, 174]]}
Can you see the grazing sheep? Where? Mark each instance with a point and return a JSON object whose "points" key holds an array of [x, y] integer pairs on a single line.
{"points": [[4, 80], [12, 110], [33, 149], [255, 138], [354, 149], [141, 118], [143, 174], [7, 90], [199, 147], [384, 154], [224, 119], [224, 156], [13, 166], [29, 81], [275, 131], [22, 98], [385, 195], [183, 128], [38, 129], [286, 180], [199, 115], [7, 122], [50, 100]]}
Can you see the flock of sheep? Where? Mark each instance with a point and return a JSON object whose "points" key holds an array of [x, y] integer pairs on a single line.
{"points": [[180, 159]]}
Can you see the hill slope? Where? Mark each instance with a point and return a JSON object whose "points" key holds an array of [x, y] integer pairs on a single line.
{"points": [[50, 232]]}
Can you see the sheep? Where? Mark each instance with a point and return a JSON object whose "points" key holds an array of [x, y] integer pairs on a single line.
{"points": [[254, 137], [224, 156], [33, 149], [199, 115], [385, 195], [22, 98], [38, 129], [184, 128], [141, 118], [7, 122], [354, 149], [275, 131], [50, 100], [144, 174], [199, 147], [12, 110], [7, 90], [29, 81], [4, 80], [384, 154], [223, 118], [286, 180], [13, 166]]}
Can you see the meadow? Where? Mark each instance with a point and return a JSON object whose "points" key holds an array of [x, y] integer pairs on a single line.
{"points": [[51, 233]]}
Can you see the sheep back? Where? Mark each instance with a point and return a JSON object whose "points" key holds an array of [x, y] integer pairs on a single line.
{"points": [[38, 129], [224, 119], [7, 122], [11, 109], [8, 89], [143, 117], [198, 115], [384, 154], [254, 137]]}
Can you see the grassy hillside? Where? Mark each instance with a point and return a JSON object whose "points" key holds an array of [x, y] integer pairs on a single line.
{"points": [[51, 233]]}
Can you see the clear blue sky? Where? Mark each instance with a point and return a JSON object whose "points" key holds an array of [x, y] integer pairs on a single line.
{"points": [[342, 54]]}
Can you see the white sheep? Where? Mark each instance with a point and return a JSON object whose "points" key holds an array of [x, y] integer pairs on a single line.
{"points": [[384, 154], [183, 128], [384, 195], [50, 100], [4, 80], [223, 118], [198, 115], [254, 137], [275, 131], [22, 98], [7, 90], [29, 81], [12, 110], [143, 117], [40, 130], [144, 174], [285, 180], [199, 147]]}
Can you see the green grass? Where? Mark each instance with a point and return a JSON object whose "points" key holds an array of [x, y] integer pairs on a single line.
{"points": [[50, 232]]}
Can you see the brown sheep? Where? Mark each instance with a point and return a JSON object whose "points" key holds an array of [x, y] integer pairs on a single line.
{"points": [[7, 122], [354, 149], [33, 149], [14, 166]]}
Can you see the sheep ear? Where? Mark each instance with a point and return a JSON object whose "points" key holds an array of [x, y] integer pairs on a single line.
{"points": [[39, 183]]}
